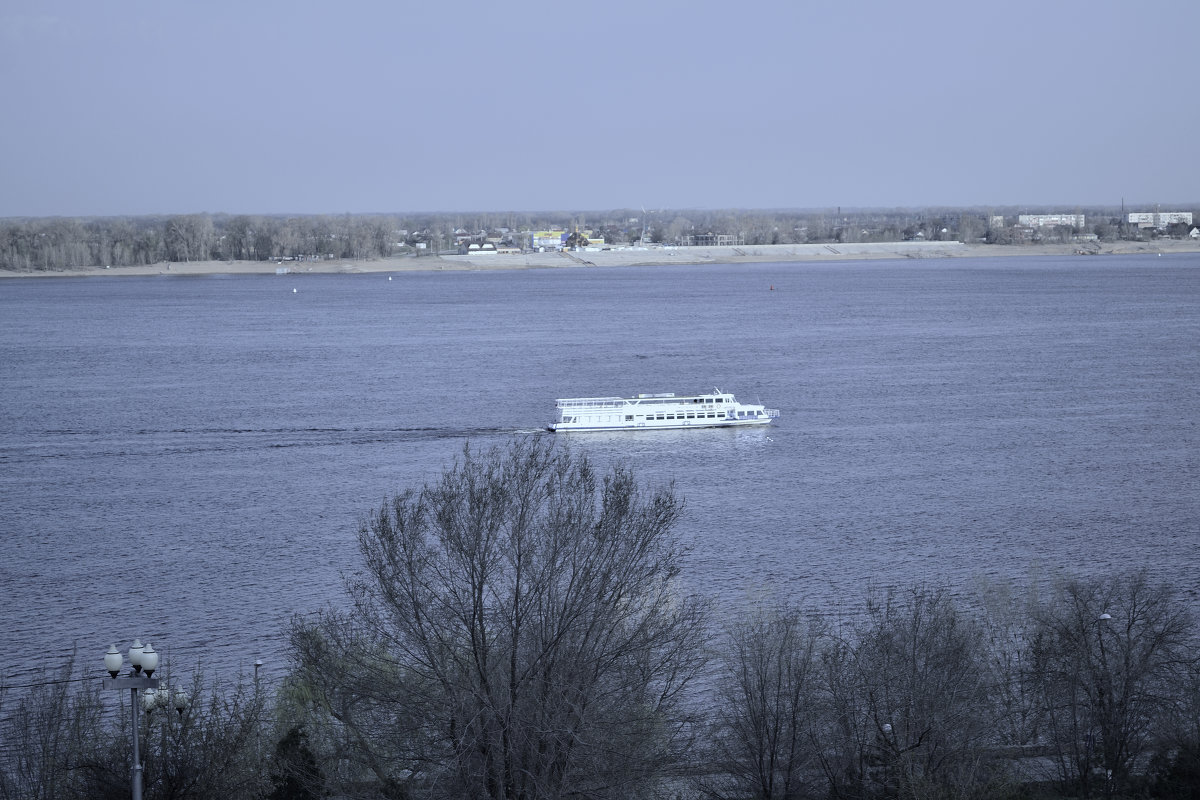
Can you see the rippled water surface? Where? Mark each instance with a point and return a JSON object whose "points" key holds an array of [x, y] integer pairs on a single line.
{"points": [[186, 459]]}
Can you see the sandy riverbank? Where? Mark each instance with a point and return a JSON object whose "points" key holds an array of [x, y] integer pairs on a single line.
{"points": [[629, 257]]}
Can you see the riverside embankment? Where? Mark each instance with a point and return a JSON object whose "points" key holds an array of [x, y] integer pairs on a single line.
{"points": [[634, 257]]}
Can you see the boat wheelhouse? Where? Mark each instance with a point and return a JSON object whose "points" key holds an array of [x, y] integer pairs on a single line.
{"points": [[656, 411]]}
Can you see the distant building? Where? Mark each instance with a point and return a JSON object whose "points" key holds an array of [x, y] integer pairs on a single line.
{"points": [[465, 237], [551, 239], [1051, 220], [1159, 220], [712, 240]]}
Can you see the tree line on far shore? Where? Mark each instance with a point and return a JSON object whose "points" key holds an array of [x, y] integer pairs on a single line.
{"points": [[520, 630], [57, 244], [62, 243]]}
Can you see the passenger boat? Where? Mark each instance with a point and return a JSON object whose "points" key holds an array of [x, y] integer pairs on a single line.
{"points": [[658, 411]]}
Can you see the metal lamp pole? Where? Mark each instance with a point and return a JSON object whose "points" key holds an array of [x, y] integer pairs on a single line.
{"points": [[144, 661], [890, 752], [1104, 688]]}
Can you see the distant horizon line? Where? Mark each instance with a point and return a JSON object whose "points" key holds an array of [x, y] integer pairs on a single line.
{"points": [[977, 207]]}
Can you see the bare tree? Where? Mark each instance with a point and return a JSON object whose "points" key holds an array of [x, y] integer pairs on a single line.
{"points": [[1109, 654], [189, 237], [519, 633], [769, 695], [238, 239], [211, 748], [909, 701], [41, 740], [1175, 766], [1006, 611]]}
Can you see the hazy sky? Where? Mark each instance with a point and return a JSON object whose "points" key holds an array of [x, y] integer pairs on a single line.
{"points": [[302, 107]]}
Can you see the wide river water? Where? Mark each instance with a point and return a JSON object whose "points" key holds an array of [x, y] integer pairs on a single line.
{"points": [[187, 459]]}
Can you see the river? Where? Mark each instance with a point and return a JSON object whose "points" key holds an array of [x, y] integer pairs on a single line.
{"points": [[187, 459]]}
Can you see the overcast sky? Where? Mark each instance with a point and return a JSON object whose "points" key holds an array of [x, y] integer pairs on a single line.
{"points": [[120, 107]]}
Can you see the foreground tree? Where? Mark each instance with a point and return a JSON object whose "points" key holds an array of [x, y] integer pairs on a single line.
{"points": [[519, 633], [43, 740], [1112, 659], [769, 699], [908, 702]]}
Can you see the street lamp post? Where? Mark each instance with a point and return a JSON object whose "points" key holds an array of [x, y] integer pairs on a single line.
{"points": [[1105, 702], [144, 661]]}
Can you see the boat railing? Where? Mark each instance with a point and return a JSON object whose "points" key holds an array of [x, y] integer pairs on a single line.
{"points": [[772, 412], [590, 402]]}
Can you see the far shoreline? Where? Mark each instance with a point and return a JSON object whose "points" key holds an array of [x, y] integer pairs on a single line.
{"points": [[627, 257]]}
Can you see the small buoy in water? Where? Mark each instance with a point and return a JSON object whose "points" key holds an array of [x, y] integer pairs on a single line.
{"points": [[772, 288], [389, 277], [293, 291]]}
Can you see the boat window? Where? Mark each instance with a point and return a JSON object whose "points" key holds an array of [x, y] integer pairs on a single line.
{"points": [[629, 417]]}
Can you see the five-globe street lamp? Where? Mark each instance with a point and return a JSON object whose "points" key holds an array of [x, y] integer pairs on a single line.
{"points": [[144, 661]]}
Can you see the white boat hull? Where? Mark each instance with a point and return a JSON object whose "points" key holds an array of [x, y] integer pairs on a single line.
{"points": [[657, 412], [560, 428]]}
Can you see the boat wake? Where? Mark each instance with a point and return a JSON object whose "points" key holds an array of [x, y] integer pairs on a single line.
{"points": [[82, 444]]}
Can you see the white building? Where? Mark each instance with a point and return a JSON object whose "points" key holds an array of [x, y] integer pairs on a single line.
{"points": [[548, 240], [1159, 220], [1051, 220]]}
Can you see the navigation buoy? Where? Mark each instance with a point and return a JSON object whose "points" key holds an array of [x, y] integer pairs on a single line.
{"points": [[389, 277], [293, 291]]}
